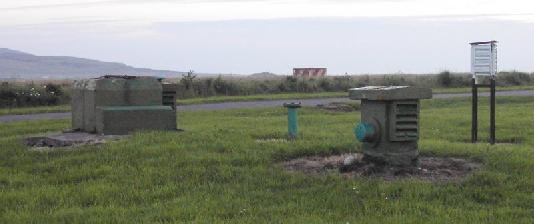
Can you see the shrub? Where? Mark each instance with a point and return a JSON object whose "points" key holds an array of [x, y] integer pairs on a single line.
{"points": [[514, 78], [53, 89], [29, 96], [445, 79]]}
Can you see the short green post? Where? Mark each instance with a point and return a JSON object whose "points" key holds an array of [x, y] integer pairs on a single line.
{"points": [[292, 121]]}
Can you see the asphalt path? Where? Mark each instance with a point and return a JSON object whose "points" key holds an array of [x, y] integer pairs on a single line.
{"points": [[252, 104]]}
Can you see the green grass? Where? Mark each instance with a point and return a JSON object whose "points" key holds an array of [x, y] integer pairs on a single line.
{"points": [[283, 96], [222, 99], [34, 110], [217, 172], [280, 96], [468, 89]]}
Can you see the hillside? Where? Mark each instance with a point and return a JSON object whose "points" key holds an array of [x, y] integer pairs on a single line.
{"points": [[264, 75], [16, 64]]}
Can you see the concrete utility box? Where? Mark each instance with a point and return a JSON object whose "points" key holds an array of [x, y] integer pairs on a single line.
{"points": [[389, 126], [120, 104]]}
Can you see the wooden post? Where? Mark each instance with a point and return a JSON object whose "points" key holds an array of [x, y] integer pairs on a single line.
{"points": [[492, 111], [474, 112]]}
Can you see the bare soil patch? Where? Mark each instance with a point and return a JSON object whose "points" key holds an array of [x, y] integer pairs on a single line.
{"points": [[434, 169], [340, 106], [272, 140], [67, 139]]}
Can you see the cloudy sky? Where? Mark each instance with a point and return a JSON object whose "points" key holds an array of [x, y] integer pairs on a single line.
{"points": [[242, 37]]}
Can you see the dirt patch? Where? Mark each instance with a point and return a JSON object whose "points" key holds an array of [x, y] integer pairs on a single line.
{"points": [[67, 139], [340, 106], [434, 169], [272, 140]]}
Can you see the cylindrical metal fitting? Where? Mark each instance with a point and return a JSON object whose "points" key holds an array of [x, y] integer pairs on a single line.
{"points": [[292, 121], [365, 132]]}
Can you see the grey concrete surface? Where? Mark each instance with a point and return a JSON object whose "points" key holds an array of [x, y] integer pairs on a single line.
{"points": [[253, 104]]}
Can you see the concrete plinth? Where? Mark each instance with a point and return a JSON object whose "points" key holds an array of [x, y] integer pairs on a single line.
{"points": [[123, 120]]}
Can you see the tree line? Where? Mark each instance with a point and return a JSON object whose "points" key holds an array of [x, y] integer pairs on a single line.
{"points": [[191, 86]]}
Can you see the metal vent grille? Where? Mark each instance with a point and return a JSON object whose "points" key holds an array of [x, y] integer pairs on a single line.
{"points": [[169, 95], [168, 100], [404, 121]]}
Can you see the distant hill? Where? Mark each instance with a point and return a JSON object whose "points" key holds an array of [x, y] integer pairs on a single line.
{"points": [[16, 64], [265, 75]]}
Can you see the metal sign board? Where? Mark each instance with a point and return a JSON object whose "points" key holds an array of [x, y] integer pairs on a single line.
{"points": [[484, 58]]}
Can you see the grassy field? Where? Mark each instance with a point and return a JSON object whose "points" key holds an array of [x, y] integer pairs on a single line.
{"points": [[217, 172], [221, 99], [34, 110], [280, 96], [468, 89]]}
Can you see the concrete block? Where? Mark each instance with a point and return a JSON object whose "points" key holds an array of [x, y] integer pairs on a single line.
{"points": [[120, 120], [77, 105]]}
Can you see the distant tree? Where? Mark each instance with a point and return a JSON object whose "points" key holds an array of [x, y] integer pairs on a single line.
{"points": [[220, 85], [53, 89], [8, 97], [445, 79], [187, 80], [342, 83], [291, 83], [514, 78], [325, 84], [364, 80]]}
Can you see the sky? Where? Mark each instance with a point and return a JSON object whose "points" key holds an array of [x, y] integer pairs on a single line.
{"points": [[243, 37]]}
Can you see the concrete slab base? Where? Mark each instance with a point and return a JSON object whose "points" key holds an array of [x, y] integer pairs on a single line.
{"points": [[69, 139]]}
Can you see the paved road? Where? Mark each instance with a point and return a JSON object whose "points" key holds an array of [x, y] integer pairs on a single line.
{"points": [[251, 104]]}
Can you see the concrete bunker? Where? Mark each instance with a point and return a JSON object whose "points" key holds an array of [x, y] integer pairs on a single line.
{"points": [[118, 105]]}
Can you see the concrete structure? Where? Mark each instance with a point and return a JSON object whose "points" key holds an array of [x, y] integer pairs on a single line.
{"points": [[68, 139], [309, 72], [121, 104], [389, 126]]}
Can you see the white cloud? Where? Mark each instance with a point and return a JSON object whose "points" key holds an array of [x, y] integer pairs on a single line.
{"points": [[345, 36], [28, 12]]}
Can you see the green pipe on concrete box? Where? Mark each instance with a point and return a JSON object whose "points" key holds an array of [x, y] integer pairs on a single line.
{"points": [[365, 132]]}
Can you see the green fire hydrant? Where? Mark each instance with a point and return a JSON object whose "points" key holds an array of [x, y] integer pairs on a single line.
{"points": [[292, 121]]}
